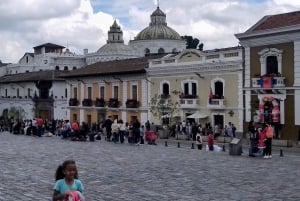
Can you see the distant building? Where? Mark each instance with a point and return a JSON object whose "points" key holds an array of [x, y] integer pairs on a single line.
{"points": [[32, 87], [158, 38], [114, 49], [205, 86]]}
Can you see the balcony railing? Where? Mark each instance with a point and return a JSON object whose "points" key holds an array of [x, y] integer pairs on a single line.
{"points": [[188, 103], [73, 102], [87, 102], [268, 82], [132, 103], [100, 102], [216, 103], [187, 96], [113, 102]]}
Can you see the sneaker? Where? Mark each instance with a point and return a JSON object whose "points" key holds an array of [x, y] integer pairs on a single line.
{"points": [[266, 156], [270, 156]]}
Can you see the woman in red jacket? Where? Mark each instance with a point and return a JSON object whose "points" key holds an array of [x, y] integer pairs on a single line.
{"points": [[210, 142]]}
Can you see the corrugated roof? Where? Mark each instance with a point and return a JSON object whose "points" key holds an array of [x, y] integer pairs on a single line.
{"points": [[276, 21], [48, 75]]}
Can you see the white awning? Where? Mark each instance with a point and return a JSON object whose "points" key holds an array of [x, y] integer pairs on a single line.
{"points": [[197, 116]]}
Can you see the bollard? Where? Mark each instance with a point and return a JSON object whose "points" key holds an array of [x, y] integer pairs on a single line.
{"points": [[281, 153], [192, 146], [166, 143], [223, 148], [178, 144]]}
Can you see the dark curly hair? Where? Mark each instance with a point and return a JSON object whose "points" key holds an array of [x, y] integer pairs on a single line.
{"points": [[59, 174]]}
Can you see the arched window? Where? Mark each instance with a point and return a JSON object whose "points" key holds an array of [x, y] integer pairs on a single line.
{"points": [[56, 67], [272, 65], [174, 50], [219, 90], [66, 68], [147, 52], [270, 61], [217, 86], [161, 51], [165, 89], [74, 67]]}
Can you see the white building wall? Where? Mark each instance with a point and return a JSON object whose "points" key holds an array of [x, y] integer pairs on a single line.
{"points": [[155, 45], [297, 81], [247, 84]]}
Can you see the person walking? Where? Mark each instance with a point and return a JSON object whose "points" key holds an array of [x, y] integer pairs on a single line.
{"points": [[210, 141], [199, 140], [269, 135]]}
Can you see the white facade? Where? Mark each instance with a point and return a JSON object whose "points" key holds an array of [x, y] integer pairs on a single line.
{"points": [[20, 94]]}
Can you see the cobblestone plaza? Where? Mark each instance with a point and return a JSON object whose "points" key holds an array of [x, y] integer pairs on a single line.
{"points": [[122, 172]]}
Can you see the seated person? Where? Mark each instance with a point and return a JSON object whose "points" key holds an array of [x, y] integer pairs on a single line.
{"points": [[150, 137]]}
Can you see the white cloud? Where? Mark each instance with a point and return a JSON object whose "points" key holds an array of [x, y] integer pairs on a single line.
{"points": [[25, 24]]}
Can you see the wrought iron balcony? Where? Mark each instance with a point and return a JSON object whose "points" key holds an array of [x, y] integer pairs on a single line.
{"points": [[100, 102], [73, 102], [132, 103], [87, 102], [113, 102]]}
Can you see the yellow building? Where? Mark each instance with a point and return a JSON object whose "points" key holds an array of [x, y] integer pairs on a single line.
{"points": [[272, 73], [116, 89], [205, 84]]}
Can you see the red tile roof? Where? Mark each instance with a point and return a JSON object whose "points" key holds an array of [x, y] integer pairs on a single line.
{"points": [[126, 66], [277, 21]]}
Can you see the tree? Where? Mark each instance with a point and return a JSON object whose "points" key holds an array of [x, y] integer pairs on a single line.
{"points": [[192, 43], [16, 112], [162, 107]]}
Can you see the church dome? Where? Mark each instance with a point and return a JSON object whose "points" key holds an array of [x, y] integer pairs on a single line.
{"points": [[116, 49], [158, 28]]}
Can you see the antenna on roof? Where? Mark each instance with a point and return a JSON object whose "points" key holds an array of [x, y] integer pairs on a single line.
{"points": [[157, 3]]}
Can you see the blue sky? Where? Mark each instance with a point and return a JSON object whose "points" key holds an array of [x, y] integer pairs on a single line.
{"points": [[81, 24]]}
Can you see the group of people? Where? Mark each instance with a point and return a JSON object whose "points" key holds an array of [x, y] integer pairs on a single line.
{"points": [[135, 132], [191, 128], [260, 140]]}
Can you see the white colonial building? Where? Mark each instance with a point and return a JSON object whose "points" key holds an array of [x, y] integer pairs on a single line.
{"points": [[32, 86]]}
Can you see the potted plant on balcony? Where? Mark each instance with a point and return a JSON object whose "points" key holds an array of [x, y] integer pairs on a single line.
{"points": [[187, 96], [100, 102], [132, 103], [73, 102], [113, 102], [87, 102]]}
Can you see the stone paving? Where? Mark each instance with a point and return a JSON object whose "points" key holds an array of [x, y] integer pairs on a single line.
{"points": [[147, 172]]}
